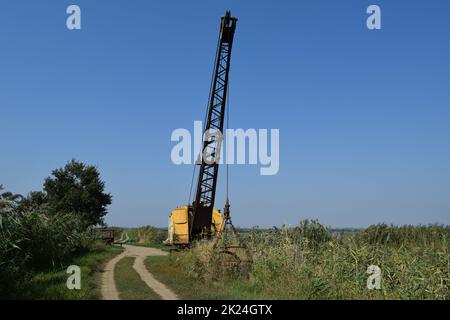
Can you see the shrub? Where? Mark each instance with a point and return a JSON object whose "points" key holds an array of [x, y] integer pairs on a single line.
{"points": [[312, 230], [31, 241]]}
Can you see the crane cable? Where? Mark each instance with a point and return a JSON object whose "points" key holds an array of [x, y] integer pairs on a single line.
{"points": [[226, 130]]}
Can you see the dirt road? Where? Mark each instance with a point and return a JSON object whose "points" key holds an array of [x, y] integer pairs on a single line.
{"points": [[109, 290]]}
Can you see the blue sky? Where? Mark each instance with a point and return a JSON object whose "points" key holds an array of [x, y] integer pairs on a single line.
{"points": [[363, 115]]}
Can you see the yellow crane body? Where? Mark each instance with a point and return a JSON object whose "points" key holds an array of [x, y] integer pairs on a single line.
{"points": [[179, 224]]}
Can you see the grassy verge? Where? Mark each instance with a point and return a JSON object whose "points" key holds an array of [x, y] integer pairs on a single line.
{"points": [[51, 285], [129, 283], [170, 271]]}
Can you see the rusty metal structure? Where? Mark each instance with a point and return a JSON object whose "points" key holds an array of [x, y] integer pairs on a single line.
{"points": [[203, 205]]}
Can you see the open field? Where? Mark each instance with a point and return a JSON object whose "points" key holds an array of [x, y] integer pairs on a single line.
{"points": [[308, 263], [305, 262]]}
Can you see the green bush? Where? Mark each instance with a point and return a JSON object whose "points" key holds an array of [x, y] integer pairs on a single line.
{"points": [[33, 241]]}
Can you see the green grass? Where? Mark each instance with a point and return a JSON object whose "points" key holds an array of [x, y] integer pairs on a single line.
{"points": [[51, 285], [129, 283], [169, 270], [166, 270], [305, 263]]}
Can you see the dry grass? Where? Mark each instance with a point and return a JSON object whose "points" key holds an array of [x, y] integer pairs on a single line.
{"points": [[307, 263]]}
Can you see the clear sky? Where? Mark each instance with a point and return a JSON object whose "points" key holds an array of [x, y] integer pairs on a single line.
{"points": [[363, 115]]}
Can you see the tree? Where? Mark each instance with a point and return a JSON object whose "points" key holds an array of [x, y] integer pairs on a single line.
{"points": [[8, 199], [9, 196], [34, 200], [77, 189]]}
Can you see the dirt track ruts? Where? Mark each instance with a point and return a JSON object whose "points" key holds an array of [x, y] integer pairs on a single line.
{"points": [[109, 289]]}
